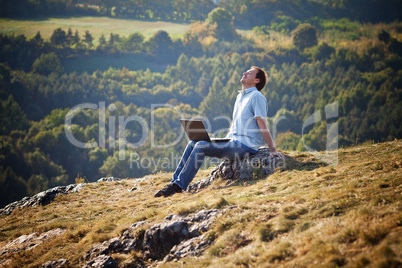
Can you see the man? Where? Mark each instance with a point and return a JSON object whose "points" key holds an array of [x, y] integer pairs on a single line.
{"points": [[248, 132]]}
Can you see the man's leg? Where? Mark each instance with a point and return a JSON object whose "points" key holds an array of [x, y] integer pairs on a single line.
{"points": [[184, 158], [192, 159], [228, 150], [173, 188], [193, 164]]}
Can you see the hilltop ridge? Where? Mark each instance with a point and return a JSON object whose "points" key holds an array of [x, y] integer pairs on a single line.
{"points": [[307, 214]]}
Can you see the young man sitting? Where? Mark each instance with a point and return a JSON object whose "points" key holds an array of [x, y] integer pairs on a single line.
{"points": [[248, 132]]}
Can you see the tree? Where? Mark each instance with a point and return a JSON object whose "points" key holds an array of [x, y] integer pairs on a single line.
{"points": [[70, 37], [322, 51], [76, 38], [134, 42], [395, 46], [288, 141], [46, 64], [58, 38], [224, 23], [304, 36], [114, 166], [12, 187], [285, 120], [12, 116], [36, 184], [97, 157], [102, 42], [161, 45], [192, 46], [5, 75], [284, 24], [384, 36], [111, 39], [88, 38], [37, 40], [212, 106]]}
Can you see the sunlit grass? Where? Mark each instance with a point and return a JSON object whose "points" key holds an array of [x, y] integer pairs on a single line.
{"points": [[96, 25], [308, 215], [359, 40]]}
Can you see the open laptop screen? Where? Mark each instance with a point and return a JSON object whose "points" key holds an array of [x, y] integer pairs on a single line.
{"points": [[196, 131]]}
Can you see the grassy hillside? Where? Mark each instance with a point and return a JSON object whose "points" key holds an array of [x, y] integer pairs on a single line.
{"points": [[307, 215], [95, 25]]}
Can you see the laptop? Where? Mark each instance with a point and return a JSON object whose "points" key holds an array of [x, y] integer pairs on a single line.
{"points": [[196, 131]]}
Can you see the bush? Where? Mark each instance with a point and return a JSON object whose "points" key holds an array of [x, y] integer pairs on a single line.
{"points": [[322, 51], [46, 64], [304, 36], [284, 24]]}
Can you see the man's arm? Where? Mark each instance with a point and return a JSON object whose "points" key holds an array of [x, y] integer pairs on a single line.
{"points": [[262, 124]]}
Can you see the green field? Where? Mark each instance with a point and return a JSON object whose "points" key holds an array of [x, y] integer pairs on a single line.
{"points": [[96, 25]]}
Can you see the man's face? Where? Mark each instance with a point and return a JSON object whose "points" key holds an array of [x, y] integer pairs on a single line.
{"points": [[248, 77]]}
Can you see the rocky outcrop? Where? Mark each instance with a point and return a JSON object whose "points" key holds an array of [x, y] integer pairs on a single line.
{"points": [[62, 263], [101, 261], [42, 198], [131, 239], [28, 242], [257, 166], [109, 179], [189, 248], [177, 236], [161, 238]]}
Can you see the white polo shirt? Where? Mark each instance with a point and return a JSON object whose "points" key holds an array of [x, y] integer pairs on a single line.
{"points": [[249, 105]]}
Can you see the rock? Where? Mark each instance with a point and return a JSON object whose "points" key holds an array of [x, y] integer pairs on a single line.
{"points": [[4, 262], [42, 198], [140, 180], [56, 264], [75, 188], [101, 261], [256, 166], [161, 238], [131, 239], [28, 242], [109, 179], [188, 248]]}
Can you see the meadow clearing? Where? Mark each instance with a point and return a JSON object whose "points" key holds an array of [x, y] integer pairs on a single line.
{"points": [[95, 25]]}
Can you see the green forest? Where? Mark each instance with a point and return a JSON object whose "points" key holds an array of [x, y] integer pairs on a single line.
{"points": [[316, 53]]}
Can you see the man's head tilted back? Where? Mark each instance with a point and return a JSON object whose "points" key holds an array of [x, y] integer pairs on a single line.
{"points": [[255, 77], [262, 76]]}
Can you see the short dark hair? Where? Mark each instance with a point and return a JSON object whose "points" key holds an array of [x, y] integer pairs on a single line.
{"points": [[262, 75]]}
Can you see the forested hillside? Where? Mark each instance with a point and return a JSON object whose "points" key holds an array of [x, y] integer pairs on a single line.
{"points": [[313, 59]]}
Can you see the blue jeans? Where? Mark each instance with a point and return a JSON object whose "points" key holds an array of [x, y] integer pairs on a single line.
{"points": [[195, 153]]}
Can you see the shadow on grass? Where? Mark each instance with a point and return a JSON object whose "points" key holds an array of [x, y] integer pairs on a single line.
{"points": [[293, 163], [300, 162]]}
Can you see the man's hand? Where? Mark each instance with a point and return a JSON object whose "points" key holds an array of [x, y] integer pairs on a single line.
{"points": [[277, 154]]}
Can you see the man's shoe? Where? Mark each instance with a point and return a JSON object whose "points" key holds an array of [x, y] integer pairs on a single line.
{"points": [[169, 190]]}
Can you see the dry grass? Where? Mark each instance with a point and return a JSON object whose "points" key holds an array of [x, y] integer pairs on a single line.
{"points": [[359, 40], [307, 215], [272, 42]]}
